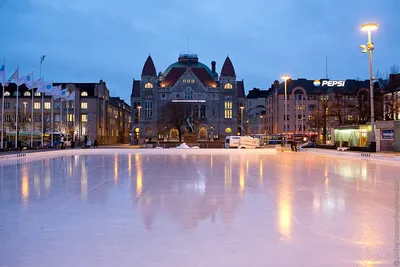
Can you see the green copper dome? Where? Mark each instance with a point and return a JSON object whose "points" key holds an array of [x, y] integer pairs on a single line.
{"points": [[186, 61]]}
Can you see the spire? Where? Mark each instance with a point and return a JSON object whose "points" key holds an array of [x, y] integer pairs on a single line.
{"points": [[227, 68], [148, 68]]}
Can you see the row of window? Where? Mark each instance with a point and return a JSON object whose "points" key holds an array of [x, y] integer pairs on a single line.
{"points": [[150, 85], [47, 105], [28, 93]]}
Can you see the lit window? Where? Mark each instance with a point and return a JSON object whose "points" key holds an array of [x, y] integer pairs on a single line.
{"points": [[84, 118], [84, 132], [83, 105], [350, 117], [192, 81], [228, 109], [37, 105], [228, 130], [148, 86], [7, 93], [27, 93], [310, 117], [184, 80], [47, 105], [84, 93], [38, 94], [70, 117], [228, 86]]}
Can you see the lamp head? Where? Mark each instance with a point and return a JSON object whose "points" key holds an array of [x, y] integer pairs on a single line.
{"points": [[369, 26], [364, 48], [285, 77]]}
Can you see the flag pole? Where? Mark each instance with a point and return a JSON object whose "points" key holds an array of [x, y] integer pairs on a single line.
{"points": [[16, 112], [66, 105], [73, 132], [61, 113], [32, 116], [2, 105], [52, 120], [40, 71]]}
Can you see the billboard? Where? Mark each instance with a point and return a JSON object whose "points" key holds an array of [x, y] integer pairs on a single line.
{"points": [[387, 134]]}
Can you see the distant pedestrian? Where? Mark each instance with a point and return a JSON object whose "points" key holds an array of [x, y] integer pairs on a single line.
{"points": [[95, 143], [62, 142]]}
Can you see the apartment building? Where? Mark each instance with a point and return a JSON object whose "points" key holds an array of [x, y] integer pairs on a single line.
{"points": [[93, 113]]}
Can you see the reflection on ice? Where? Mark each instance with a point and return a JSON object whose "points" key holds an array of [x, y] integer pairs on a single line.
{"points": [[239, 210]]}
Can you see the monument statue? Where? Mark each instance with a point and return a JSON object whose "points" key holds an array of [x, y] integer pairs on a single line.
{"points": [[189, 125]]}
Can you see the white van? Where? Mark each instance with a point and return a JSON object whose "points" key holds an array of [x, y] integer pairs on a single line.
{"points": [[241, 142]]}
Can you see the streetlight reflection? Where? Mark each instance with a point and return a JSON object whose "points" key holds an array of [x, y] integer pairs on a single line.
{"points": [[139, 175], [25, 184]]}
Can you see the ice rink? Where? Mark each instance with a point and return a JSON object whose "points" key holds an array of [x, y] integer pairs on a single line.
{"points": [[187, 210]]}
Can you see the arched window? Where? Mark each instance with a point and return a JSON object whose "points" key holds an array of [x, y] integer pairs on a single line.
{"points": [[228, 86], [27, 93], [196, 112], [84, 93], [7, 93], [148, 86], [203, 112], [228, 130], [38, 94]]}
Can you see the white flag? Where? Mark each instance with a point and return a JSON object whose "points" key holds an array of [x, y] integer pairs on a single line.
{"points": [[37, 84], [64, 94], [27, 80], [56, 92], [3, 72], [14, 77], [71, 96], [45, 87]]}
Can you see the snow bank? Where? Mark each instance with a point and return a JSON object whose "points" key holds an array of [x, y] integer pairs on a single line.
{"points": [[183, 145], [195, 147]]}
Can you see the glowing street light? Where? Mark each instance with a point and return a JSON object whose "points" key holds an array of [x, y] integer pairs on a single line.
{"points": [[285, 78], [241, 119], [369, 47]]}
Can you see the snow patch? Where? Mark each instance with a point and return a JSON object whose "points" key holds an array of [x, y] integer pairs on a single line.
{"points": [[183, 145]]}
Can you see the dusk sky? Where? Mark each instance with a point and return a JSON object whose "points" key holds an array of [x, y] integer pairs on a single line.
{"points": [[89, 40]]}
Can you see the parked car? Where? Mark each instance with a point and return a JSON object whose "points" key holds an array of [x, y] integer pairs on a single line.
{"points": [[309, 145]]}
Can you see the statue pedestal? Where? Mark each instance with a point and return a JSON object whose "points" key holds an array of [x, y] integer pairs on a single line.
{"points": [[190, 138]]}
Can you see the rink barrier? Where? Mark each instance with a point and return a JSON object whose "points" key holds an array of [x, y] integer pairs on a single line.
{"points": [[144, 151], [353, 155], [12, 156]]}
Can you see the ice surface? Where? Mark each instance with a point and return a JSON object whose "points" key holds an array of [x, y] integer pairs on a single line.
{"points": [[200, 210]]}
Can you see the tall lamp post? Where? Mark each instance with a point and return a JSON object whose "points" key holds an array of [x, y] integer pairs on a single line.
{"points": [[369, 48], [285, 78], [139, 107], [241, 120]]}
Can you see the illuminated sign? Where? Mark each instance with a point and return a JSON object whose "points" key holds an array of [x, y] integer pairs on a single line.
{"points": [[317, 83], [188, 101], [388, 134]]}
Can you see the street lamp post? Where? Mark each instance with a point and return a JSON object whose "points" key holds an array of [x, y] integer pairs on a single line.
{"points": [[370, 47], [139, 108], [285, 78], [241, 120]]}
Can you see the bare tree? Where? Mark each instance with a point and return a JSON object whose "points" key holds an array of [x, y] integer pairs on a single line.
{"points": [[24, 121], [391, 96], [173, 115]]}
